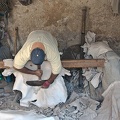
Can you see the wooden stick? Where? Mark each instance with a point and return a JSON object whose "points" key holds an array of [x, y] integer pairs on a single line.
{"points": [[15, 42]]}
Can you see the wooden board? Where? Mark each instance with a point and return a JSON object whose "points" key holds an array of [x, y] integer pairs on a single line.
{"points": [[75, 63], [83, 63]]}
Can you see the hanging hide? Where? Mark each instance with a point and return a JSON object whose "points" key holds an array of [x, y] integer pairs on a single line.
{"points": [[25, 2]]}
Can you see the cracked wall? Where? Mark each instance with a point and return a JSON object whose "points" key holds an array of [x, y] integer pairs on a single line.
{"points": [[63, 19]]}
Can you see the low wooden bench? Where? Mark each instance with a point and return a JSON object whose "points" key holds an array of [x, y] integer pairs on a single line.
{"points": [[77, 64], [83, 63]]}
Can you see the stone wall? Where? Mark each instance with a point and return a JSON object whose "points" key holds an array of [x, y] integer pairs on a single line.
{"points": [[63, 19]]}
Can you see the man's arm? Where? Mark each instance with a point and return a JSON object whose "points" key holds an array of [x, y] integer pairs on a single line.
{"points": [[52, 78], [49, 81], [37, 72]]}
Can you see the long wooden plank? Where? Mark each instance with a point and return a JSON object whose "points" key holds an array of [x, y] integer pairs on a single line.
{"points": [[75, 63], [83, 63]]}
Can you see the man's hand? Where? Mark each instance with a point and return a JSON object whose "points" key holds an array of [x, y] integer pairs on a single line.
{"points": [[46, 84], [39, 73], [49, 81]]}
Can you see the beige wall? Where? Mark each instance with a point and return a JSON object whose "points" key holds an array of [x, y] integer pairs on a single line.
{"points": [[63, 19]]}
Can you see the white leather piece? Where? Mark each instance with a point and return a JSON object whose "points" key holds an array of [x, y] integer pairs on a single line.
{"points": [[90, 37], [50, 97], [98, 48], [110, 109], [96, 80], [22, 115], [8, 62]]}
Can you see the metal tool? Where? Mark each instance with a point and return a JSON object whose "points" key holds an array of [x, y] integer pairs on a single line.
{"points": [[36, 83]]}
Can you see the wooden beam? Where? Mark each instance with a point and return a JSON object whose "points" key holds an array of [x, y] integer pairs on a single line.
{"points": [[83, 63]]}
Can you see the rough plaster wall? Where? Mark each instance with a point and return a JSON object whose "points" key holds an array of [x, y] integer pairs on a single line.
{"points": [[63, 19]]}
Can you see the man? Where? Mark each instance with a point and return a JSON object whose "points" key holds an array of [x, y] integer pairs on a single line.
{"points": [[39, 45]]}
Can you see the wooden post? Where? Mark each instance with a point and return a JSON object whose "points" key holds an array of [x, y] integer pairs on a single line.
{"points": [[15, 42]]}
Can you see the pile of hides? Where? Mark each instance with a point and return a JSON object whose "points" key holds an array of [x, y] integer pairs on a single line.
{"points": [[55, 94], [110, 109], [79, 106], [110, 76], [75, 108], [101, 50], [22, 115]]}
